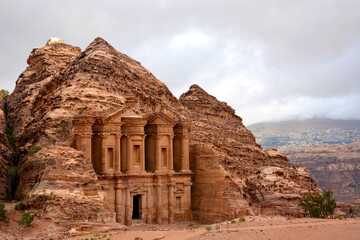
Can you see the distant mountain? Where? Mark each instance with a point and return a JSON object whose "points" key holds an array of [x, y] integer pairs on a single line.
{"points": [[292, 134], [330, 149]]}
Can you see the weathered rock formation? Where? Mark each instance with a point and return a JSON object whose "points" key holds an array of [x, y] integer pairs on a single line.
{"points": [[333, 167], [233, 176], [5, 153]]}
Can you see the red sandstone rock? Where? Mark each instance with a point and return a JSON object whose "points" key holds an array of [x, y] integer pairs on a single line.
{"points": [[61, 82], [236, 165], [5, 153], [333, 167]]}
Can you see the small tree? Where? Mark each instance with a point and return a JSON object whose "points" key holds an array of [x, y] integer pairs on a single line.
{"points": [[319, 206], [4, 93], [26, 219]]}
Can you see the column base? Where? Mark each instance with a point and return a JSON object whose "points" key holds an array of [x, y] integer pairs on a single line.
{"points": [[185, 171]]}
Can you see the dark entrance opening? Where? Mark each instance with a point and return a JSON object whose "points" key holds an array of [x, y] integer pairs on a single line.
{"points": [[136, 207]]}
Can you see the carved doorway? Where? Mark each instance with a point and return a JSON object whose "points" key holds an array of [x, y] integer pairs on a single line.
{"points": [[137, 207]]}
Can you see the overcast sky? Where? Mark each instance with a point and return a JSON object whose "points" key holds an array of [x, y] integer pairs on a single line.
{"points": [[269, 60]]}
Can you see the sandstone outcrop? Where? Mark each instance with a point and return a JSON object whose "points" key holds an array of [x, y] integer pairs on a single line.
{"points": [[5, 153], [333, 167], [233, 176], [227, 157]]}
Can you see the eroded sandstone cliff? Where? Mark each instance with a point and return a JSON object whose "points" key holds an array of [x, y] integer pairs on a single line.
{"points": [[231, 168], [333, 167], [233, 176], [5, 154]]}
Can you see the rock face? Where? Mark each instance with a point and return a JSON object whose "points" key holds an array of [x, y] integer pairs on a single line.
{"points": [[5, 153], [233, 176], [333, 167]]}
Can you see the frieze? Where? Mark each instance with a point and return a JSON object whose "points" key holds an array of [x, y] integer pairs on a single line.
{"points": [[138, 189]]}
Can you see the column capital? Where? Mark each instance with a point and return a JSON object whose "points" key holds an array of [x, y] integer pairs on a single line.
{"points": [[171, 184], [103, 135], [119, 186]]}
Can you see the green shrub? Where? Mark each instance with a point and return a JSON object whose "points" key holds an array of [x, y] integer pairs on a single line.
{"points": [[233, 221], [19, 206], [319, 206], [34, 149], [63, 128], [52, 140], [26, 219], [3, 216], [241, 220], [81, 111], [4, 93]]}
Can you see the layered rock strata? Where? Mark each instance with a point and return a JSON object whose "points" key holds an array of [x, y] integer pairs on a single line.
{"points": [[333, 167], [234, 176], [5, 154]]}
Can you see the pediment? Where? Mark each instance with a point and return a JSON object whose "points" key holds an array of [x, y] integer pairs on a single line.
{"points": [[160, 119], [114, 116]]}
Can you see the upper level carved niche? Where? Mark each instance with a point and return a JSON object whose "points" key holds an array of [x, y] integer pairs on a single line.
{"points": [[124, 142]]}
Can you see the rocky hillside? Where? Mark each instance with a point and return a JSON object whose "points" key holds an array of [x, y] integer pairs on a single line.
{"points": [[335, 167], [230, 166], [5, 156], [62, 82]]}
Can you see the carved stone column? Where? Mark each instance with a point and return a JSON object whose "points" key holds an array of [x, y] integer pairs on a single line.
{"points": [[82, 129], [157, 153], [185, 153], [129, 160], [117, 153], [118, 202], [171, 154], [171, 202], [148, 205], [187, 195], [123, 207], [158, 202], [103, 152], [128, 209]]}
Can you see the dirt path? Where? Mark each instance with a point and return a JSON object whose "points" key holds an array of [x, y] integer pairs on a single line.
{"points": [[257, 228]]}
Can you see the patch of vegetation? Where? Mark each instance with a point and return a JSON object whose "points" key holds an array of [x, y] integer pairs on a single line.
{"points": [[19, 206], [3, 217], [52, 140], [12, 139], [57, 222], [4, 94], [241, 220], [184, 103], [34, 149], [63, 128], [81, 111], [233, 221], [319, 205], [26, 219]]}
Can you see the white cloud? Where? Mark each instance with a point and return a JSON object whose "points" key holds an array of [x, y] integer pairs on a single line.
{"points": [[270, 60]]}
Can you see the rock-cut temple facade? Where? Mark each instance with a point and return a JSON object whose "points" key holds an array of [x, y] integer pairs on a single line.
{"points": [[142, 164]]}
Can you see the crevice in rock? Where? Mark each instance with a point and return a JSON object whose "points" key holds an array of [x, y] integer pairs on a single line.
{"points": [[13, 159]]}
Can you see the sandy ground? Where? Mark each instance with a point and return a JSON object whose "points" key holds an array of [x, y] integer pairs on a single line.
{"points": [[257, 228]]}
